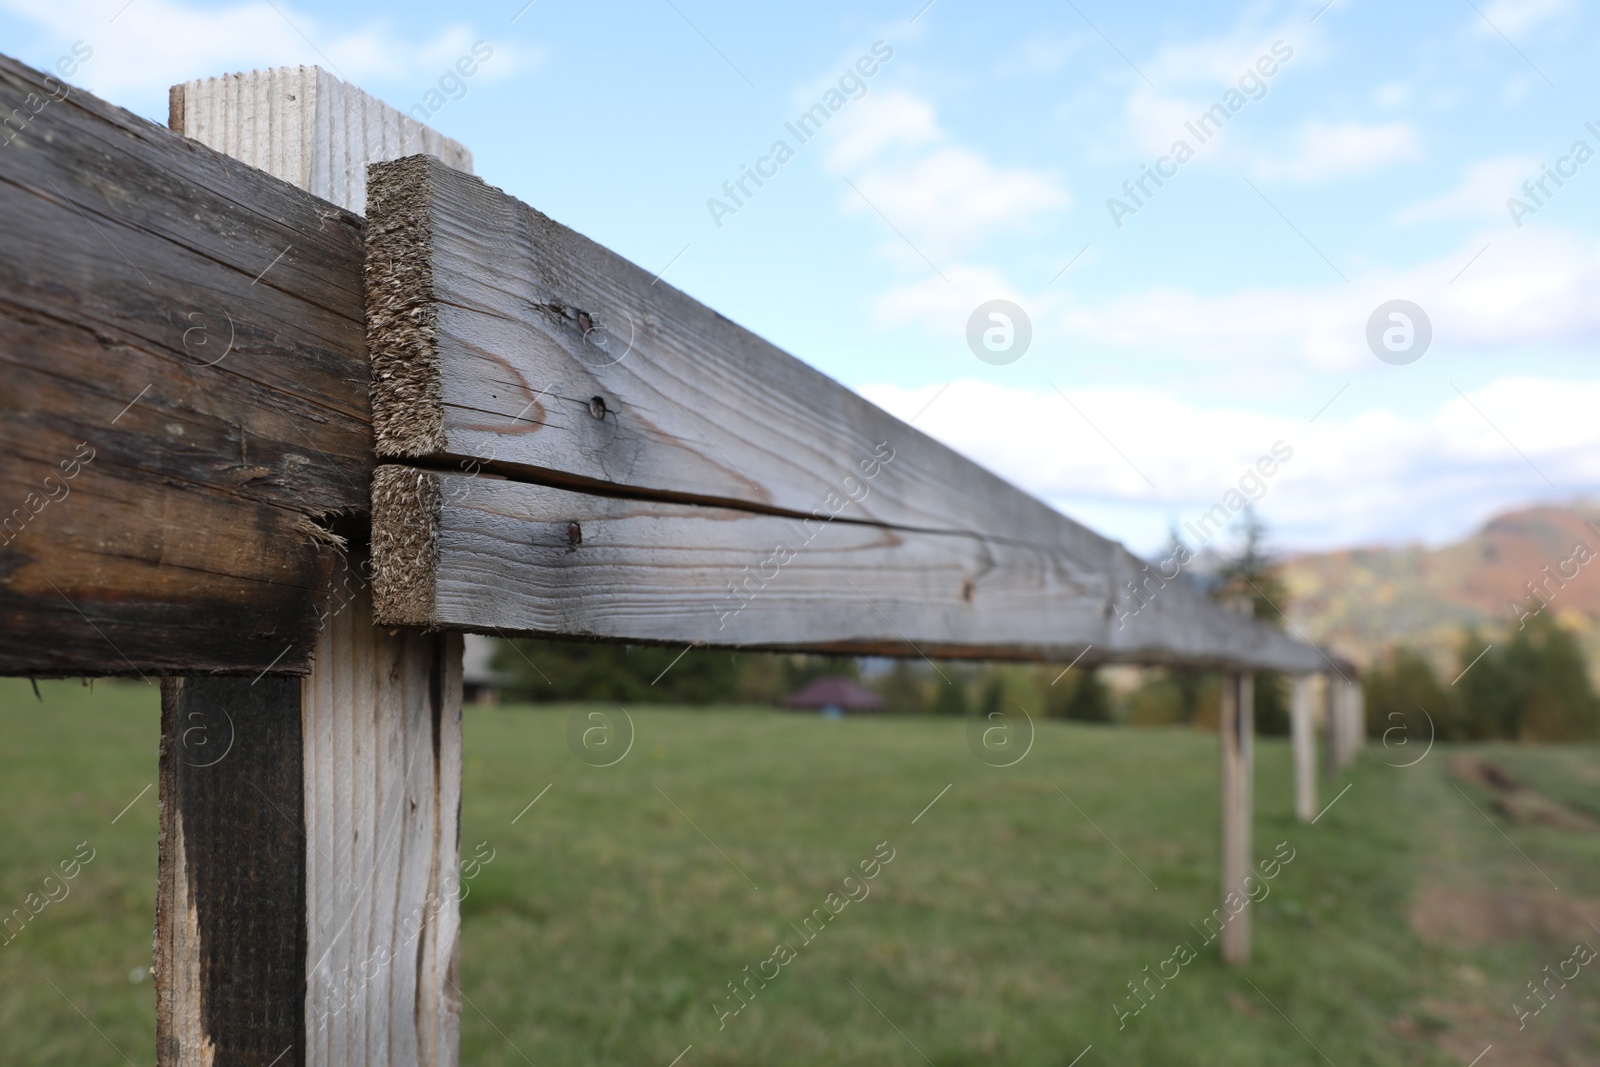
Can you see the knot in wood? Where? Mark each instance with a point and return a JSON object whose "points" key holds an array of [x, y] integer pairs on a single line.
{"points": [[574, 534]]}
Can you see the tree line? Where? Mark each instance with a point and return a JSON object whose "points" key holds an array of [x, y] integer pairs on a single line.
{"points": [[1529, 685]]}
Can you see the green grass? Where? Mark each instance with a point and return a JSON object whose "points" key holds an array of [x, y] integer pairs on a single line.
{"points": [[1002, 932], [68, 767]]}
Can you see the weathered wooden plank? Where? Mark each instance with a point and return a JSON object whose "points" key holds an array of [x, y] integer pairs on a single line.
{"points": [[505, 342], [502, 337], [309, 892], [185, 412], [458, 552], [230, 913], [382, 801]]}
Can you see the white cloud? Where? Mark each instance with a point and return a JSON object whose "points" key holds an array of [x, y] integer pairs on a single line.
{"points": [[1325, 151], [946, 198], [1530, 287], [1217, 61], [1481, 193], [1392, 95], [952, 199], [1196, 74], [1043, 53], [1512, 17], [154, 44], [940, 305], [1371, 476], [884, 122]]}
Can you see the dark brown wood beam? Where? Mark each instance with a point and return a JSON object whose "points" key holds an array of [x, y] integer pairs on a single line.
{"points": [[184, 423], [231, 911]]}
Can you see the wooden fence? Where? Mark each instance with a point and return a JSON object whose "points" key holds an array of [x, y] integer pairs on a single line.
{"points": [[554, 442]]}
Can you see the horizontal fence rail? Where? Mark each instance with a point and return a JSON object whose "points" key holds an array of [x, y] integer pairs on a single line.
{"points": [[188, 435], [573, 447], [185, 409]]}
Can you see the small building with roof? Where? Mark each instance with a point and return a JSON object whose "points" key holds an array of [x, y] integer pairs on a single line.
{"points": [[833, 695]]}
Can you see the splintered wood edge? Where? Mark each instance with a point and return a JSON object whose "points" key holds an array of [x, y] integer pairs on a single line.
{"points": [[405, 545], [402, 315]]}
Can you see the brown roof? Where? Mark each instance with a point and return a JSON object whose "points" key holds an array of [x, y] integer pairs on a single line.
{"points": [[833, 691]]}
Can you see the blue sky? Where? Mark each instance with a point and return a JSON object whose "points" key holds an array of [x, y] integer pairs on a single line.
{"points": [[1221, 317]]}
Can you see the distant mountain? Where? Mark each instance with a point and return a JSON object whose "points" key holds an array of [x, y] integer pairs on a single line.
{"points": [[1363, 601]]}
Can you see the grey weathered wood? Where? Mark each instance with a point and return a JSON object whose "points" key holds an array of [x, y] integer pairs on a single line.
{"points": [[459, 552], [382, 759], [194, 532], [1303, 740], [505, 342], [1354, 730], [1343, 727], [378, 739], [308, 905], [1237, 729]]}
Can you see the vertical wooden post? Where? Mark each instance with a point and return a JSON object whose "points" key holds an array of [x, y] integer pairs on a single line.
{"points": [[1355, 731], [1332, 723], [382, 759], [1237, 775], [308, 911], [1302, 729], [1345, 725], [230, 916]]}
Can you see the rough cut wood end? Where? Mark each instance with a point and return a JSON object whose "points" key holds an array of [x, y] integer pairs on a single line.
{"points": [[402, 316], [405, 531]]}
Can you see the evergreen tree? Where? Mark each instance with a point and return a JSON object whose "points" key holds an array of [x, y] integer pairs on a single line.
{"points": [[546, 671], [1560, 704], [1252, 575], [1081, 696], [950, 692], [1533, 688], [1489, 691], [904, 689], [994, 695], [1403, 695]]}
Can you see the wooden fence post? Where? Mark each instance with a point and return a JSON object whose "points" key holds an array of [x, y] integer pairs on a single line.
{"points": [[1332, 727], [1356, 721], [309, 904], [1238, 772], [1302, 729]]}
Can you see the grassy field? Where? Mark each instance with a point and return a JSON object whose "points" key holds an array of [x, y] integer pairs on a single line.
{"points": [[1012, 916]]}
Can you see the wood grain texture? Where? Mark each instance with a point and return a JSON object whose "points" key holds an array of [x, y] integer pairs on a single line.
{"points": [[382, 762], [307, 127], [485, 553], [502, 341], [381, 711], [192, 532], [230, 920], [690, 405]]}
